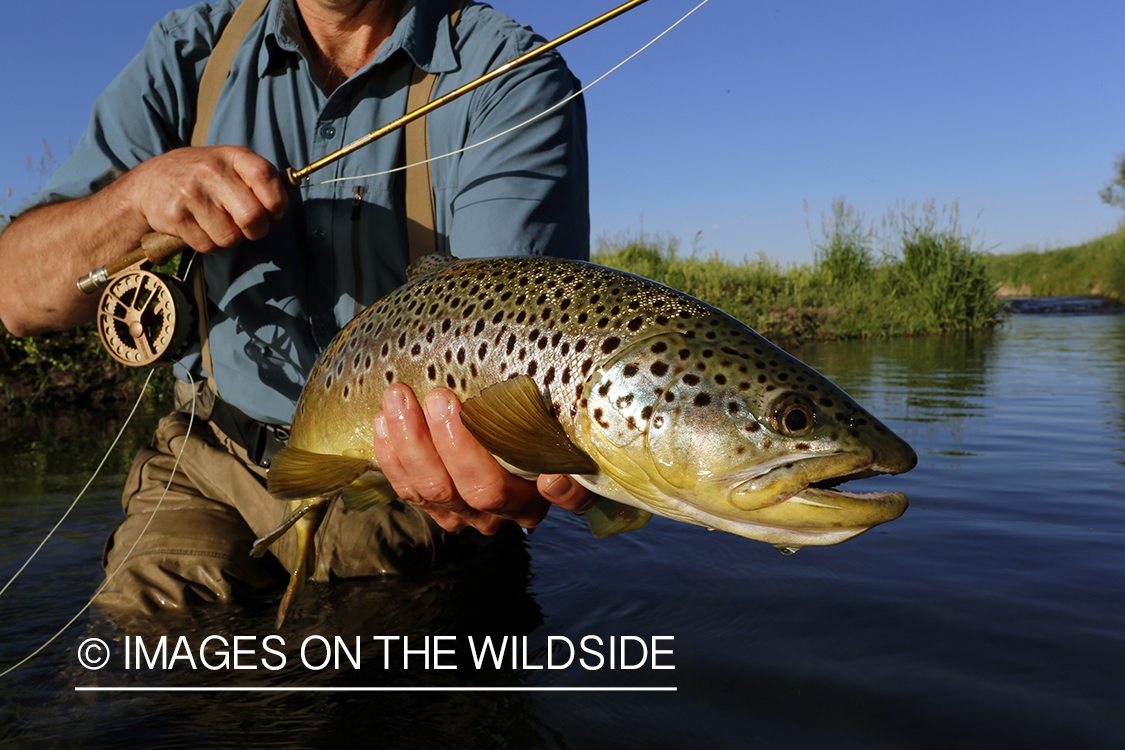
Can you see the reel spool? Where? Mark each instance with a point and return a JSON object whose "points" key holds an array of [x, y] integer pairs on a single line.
{"points": [[145, 319]]}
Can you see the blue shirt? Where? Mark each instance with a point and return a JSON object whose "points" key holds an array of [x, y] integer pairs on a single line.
{"points": [[281, 300]]}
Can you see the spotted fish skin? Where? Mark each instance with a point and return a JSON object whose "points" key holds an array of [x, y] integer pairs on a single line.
{"points": [[682, 410]]}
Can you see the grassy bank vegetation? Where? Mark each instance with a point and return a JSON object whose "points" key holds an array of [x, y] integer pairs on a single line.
{"points": [[917, 273], [1095, 268]]}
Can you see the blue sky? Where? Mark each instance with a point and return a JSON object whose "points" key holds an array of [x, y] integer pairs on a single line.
{"points": [[725, 129]]}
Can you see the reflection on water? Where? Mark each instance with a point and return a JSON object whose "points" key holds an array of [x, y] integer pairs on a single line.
{"points": [[992, 614]]}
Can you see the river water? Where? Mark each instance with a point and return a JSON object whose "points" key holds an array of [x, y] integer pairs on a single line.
{"points": [[991, 615]]}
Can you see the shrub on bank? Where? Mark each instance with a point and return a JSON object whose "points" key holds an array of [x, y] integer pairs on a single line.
{"points": [[918, 274]]}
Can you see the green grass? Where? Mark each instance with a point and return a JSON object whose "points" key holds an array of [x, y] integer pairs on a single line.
{"points": [[1094, 268], [918, 274]]}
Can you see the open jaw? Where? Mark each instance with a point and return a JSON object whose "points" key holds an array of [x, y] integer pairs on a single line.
{"points": [[815, 515]]}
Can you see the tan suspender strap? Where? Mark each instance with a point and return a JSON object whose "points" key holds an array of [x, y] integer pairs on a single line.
{"points": [[215, 74], [421, 210], [218, 65]]}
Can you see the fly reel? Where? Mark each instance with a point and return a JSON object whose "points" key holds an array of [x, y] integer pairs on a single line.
{"points": [[145, 318]]}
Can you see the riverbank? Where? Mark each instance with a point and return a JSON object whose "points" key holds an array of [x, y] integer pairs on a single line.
{"points": [[1092, 269], [932, 282]]}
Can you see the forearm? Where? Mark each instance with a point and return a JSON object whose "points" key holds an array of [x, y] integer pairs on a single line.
{"points": [[43, 253], [210, 197]]}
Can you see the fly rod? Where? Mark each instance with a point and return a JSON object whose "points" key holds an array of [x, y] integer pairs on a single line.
{"points": [[159, 248]]}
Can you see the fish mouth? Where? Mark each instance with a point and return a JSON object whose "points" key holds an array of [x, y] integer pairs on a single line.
{"points": [[817, 514]]}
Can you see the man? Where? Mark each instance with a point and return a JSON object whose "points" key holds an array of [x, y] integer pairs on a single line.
{"points": [[285, 271]]}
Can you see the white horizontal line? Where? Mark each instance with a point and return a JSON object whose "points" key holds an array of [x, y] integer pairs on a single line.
{"points": [[283, 689]]}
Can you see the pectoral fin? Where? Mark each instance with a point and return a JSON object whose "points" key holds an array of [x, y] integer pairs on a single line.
{"points": [[296, 474], [609, 517], [513, 422]]}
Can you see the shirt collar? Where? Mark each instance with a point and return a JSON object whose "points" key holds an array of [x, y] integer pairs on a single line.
{"points": [[422, 32]]}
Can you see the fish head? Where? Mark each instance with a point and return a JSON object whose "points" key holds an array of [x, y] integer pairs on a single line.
{"points": [[732, 433]]}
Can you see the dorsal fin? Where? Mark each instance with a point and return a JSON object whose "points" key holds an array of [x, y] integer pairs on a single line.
{"points": [[512, 421], [428, 264]]}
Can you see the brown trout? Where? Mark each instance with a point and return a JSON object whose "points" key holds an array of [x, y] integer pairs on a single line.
{"points": [[657, 402]]}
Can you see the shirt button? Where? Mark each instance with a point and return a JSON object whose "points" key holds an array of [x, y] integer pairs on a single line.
{"points": [[327, 132], [320, 232]]}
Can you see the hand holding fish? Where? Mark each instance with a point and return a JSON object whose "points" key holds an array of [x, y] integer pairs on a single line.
{"points": [[431, 460]]}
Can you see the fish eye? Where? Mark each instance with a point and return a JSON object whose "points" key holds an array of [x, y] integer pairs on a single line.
{"points": [[793, 416]]}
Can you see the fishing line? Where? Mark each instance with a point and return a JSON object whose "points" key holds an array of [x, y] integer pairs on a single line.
{"points": [[82, 492], [525, 123], [106, 582]]}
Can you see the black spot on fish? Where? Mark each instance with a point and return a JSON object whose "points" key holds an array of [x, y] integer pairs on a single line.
{"points": [[532, 368], [669, 396], [478, 327], [658, 348], [610, 344], [733, 407], [630, 370], [450, 381], [721, 379], [431, 372], [658, 368], [390, 376], [702, 399], [691, 379], [635, 324], [646, 413], [603, 390]]}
